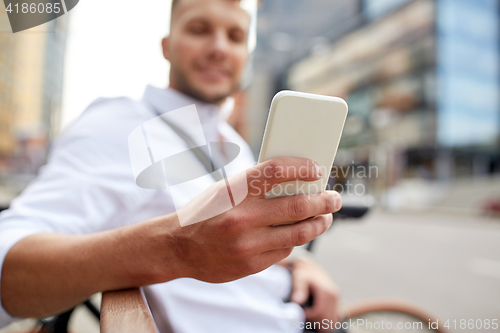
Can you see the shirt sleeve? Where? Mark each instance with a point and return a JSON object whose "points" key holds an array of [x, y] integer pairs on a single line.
{"points": [[87, 181]]}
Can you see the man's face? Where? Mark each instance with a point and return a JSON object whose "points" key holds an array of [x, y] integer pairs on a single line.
{"points": [[207, 48]]}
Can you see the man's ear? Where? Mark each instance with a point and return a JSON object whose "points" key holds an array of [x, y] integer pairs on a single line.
{"points": [[166, 47]]}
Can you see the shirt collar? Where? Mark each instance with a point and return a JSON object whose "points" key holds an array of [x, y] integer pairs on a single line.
{"points": [[169, 99]]}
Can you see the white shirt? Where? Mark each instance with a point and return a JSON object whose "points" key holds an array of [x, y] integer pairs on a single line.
{"points": [[88, 186]]}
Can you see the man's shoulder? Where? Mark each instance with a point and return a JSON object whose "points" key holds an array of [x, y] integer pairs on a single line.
{"points": [[120, 109], [105, 125], [106, 116]]}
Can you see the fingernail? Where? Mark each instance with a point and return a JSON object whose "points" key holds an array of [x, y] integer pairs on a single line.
{"points": [[319, 169], [337, 201]]}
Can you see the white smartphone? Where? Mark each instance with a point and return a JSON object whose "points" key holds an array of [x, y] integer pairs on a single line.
{"points": [[303, 125]]}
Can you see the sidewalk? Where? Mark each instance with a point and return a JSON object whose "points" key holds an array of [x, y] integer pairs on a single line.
{"points": [[460, 196]]}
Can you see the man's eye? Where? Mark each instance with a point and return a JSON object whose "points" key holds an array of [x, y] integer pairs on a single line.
{"points": [[198, 29], [237, 36]]}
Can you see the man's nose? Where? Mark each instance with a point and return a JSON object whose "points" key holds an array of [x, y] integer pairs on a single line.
{"points": [[219, 45]]}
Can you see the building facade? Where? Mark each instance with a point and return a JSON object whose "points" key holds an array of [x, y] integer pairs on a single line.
{"points": [[288, 30], [31, 74], [422, 80]]}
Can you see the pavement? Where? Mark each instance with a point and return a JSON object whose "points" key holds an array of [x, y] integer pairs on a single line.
{"points": [[448, 264]]}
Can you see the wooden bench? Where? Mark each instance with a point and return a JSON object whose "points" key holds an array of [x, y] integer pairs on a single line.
{"points": [[126, 311]]}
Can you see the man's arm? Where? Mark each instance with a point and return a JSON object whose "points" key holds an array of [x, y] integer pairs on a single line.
{"points": [[45, 274]]}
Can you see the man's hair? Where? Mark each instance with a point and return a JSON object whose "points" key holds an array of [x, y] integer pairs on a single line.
{"points": [[175, 2]]}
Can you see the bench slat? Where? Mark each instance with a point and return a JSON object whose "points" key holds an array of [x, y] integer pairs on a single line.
{"points": [[126, 311]]}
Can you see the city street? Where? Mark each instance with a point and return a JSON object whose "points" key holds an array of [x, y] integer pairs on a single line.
{"points": [[112, 113], [447, 264]]}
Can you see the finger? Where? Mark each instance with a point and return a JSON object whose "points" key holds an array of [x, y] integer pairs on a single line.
{"points": [[294, 208], [262, 177], [269, 258], [300, 233], [317, 309], [325, 304], [300, 290], [310, 313]]}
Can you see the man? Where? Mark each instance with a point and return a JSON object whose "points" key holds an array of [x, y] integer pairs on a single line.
{"points": [[84, 226]]}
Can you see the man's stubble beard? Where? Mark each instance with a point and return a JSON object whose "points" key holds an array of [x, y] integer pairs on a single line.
{"points": [[184, 86]]}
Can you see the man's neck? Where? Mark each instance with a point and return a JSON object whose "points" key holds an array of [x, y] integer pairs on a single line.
{"points": [[219, 104]]}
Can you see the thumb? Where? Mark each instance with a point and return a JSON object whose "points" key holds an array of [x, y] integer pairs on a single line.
{"points": [[300, 292]]}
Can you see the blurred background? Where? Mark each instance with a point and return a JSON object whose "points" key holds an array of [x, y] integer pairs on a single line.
{"points": [[422, 80]]}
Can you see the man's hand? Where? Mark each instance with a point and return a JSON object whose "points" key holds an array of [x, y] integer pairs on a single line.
{"points": [[44, 274], [309, 279], [245, 239]]}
